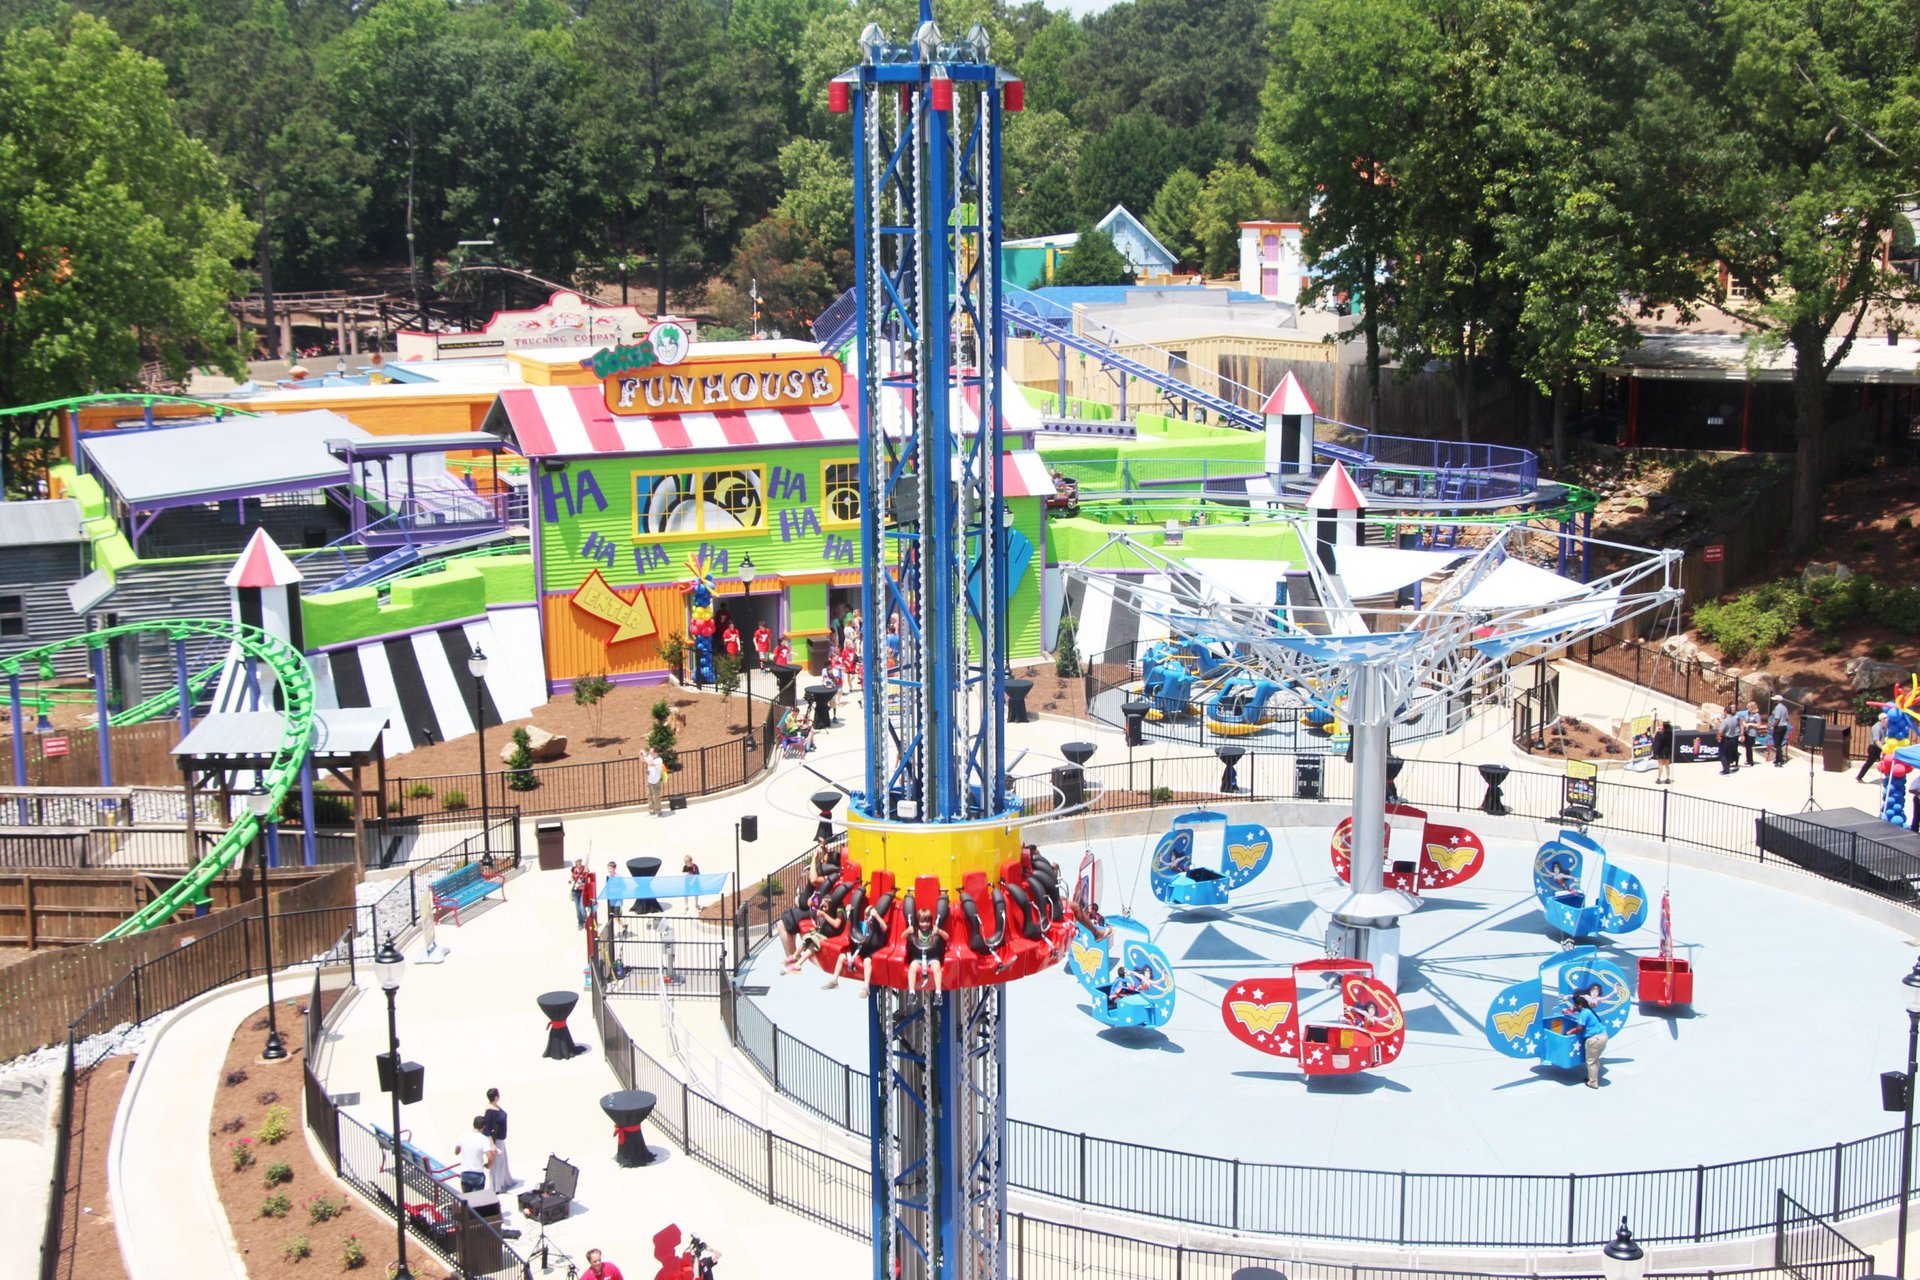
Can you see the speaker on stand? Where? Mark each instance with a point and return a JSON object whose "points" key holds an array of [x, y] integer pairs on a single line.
{"points": [[1813, 740]]}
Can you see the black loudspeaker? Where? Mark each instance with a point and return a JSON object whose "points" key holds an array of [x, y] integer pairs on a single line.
{"points": [[1813, 731], [1893, 1091], [413, 1078], [1136, 730], [750, 827]]}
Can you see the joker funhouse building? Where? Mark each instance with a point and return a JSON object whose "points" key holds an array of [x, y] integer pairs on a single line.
{"points": [[657, 462]]}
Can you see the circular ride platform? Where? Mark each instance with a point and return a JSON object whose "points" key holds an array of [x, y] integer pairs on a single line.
{"points": [[1796, 1014]]}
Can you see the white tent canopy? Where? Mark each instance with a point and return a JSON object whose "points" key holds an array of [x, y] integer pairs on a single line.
{"points": [[1378, 571], [1515, 584]]}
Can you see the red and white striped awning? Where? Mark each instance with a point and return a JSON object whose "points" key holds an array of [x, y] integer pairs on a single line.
{"points": [[561, 422], [1024, 475]]}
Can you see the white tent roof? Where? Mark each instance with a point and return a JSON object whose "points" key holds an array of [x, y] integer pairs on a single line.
{"points": [[1515, 584], [1377, 571], [1253, 581]]}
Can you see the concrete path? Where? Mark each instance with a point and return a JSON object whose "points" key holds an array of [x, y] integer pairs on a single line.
{"points": [[473, 1022], [165, 1206]]}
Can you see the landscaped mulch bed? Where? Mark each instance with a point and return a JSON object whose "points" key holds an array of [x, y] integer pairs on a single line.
{"points": [[250, 1093]]}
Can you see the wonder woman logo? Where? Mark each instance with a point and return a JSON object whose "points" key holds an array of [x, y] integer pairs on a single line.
{"points": [[1246, 856], [1261, 1019], [1514, 1025]]}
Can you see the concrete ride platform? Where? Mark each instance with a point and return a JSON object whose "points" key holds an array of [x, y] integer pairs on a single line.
{"points": [[1797, 1012]]}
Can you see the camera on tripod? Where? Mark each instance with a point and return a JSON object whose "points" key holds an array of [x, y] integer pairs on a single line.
{"points": [[703, 1257]]}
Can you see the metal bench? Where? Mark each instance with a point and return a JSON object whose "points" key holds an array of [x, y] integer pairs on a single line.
{"points": [[463, 888]]}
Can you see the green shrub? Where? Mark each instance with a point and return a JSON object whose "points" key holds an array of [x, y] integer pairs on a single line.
{"points": [[1832, 603], [454, 800], [1881, 653], [520, 774], [1066, 648], [662, 737], [420, 791], [275, 1127], [352, 1256], [1162, 795], [1831, 645], [278, 1172], [297, 1249], [1898, 608], [1903, 522], [242, 1152], [276, 1206], [1752, 621], [324, 1209]]}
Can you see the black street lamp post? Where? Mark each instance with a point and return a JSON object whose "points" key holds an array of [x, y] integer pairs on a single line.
{"points": [[388, 962], [477, 668], [747, 574], [260, 805]]}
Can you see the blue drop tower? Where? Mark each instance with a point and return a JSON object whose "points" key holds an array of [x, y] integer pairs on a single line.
{"points": [[934, 831]]}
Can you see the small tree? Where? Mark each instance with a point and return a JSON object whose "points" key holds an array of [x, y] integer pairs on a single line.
{"points": [[1093, 260], [662, 736], [589, 691], [726, 678], [520, 775], [1066, 653]]}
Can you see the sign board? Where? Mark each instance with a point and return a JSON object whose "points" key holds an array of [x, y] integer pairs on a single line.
{"points": [[51, 747], [1582, 785], [564, 320], [727, 386], [1640, 730], [1716, 552]]}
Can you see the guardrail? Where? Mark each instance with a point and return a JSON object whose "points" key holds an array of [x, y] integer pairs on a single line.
{"points": [[1692, 1204]]}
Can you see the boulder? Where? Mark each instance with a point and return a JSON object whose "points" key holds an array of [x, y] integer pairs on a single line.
{"points": [[1711, 714], [543, 746], [1817, 570], [1682, 649], [1866, 673]]}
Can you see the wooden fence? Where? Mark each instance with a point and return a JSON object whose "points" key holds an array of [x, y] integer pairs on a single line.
{"points": [[142, 756], [43, 994], [58, 908]]}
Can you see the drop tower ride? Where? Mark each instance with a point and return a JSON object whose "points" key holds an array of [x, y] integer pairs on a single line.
{"points": [[934, 826]]}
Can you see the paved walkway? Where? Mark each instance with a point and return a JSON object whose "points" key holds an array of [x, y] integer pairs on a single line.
{"points": [[165, 1205], [473, 1022]]}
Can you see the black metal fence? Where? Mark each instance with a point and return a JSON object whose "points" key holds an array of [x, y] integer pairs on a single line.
{"points": [[592, 784], [1806, 1246], [664, 953], [838, 1193], [1642, 663]]}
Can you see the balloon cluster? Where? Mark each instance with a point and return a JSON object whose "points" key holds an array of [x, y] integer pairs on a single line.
{"points": [[1901, 731], [699, 591]]}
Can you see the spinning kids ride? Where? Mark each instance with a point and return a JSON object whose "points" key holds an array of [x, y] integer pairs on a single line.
{"points": [[1265, 1013], [1240, 707], [1204, 858], [1447, 855], [1527, 1019], [1581, 893], [1129, 979], [1480, 609]]}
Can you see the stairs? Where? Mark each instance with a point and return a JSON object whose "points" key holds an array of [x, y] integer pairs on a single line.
{"points": [[402, 557]]}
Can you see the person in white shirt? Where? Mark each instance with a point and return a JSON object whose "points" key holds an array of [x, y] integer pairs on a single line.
{"points": [[656, 781]]}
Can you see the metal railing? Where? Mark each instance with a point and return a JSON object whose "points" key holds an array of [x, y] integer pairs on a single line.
{"points": [[1806, 1246], [1695, 1204], [592, 784]]}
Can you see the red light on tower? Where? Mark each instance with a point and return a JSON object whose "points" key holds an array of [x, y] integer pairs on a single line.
{"points": [[942, 93], [839, 98], [1013, 95]]}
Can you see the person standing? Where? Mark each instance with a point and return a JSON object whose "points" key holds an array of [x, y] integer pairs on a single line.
{"points": [[600, 1269], [1750, 729], [577, 887], [1875, 748], [656, 780], [1729, 742], [1663, 754], [476, 1157], [495, 1115], [1778, 725], [1592, 1033]]}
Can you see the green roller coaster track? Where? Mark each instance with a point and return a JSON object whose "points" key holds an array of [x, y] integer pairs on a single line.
{"points": [[142, 398], [295, 678]]}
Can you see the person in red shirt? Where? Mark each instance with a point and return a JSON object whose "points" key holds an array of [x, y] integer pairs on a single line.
{"points": [[600, 1269], [783, 653], [731, 638], [762, 641]]}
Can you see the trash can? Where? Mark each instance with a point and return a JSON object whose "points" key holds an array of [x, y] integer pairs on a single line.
{"points": [[1833, 751], [819, 649], [551, 835], [1071, 784]]}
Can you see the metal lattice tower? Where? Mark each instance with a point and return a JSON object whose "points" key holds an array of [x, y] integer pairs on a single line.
{"points": [[934, 811]]}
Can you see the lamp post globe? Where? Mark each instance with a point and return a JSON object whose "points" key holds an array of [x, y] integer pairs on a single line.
{"points": [[747, 574], [477, 668], [1623, 1258], [260, 805]]}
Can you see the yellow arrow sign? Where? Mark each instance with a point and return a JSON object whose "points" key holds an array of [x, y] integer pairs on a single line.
{"points": [[631, 619]]}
